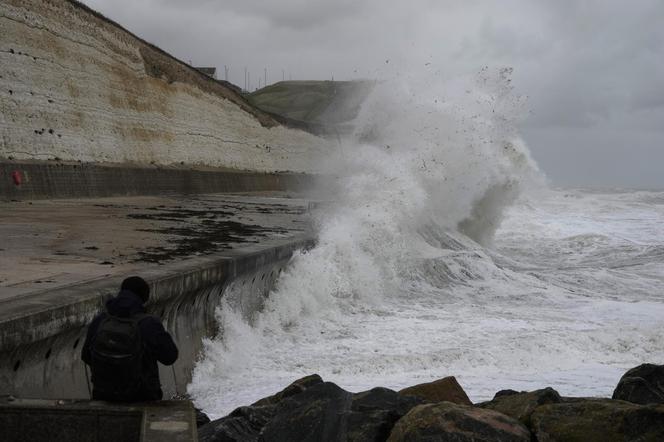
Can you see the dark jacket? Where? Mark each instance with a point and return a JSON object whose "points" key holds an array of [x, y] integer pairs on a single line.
{"points": [[159, 345]]}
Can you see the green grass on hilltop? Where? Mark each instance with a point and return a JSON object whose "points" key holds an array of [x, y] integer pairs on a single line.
{"points": [[324, 102]]}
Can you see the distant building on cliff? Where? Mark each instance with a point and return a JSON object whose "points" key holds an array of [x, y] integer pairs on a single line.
{"points": [[210, 72]]}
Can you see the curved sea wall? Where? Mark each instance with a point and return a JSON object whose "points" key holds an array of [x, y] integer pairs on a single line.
{"points": [[32, 180], [75, 86]]}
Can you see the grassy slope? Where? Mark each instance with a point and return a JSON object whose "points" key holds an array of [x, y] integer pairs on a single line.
{"points": [[328, 102]]}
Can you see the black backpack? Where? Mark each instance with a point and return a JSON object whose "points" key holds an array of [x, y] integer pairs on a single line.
{"points": [[117, 358]]}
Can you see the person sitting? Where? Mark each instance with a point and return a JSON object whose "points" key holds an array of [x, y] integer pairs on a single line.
{"points": [[123, 345]]}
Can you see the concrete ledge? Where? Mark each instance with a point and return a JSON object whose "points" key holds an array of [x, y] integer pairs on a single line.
{"points": [[21, 180], [37, 420]]}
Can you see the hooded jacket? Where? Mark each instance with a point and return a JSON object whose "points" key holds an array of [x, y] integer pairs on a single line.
{"points": [[159, 345]]}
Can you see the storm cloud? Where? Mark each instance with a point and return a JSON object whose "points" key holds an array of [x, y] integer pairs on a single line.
{"points": [[593, 70]]}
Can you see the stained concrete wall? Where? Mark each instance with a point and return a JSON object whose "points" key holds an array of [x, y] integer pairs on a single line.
{"points": [[77, 87], [50, 179]]}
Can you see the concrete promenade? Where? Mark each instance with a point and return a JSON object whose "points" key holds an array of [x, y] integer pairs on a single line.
{"points": [[47, 244]]}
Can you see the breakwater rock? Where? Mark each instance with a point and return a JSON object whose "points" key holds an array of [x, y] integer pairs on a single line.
{"points": [[311, 409], [642, 385]]}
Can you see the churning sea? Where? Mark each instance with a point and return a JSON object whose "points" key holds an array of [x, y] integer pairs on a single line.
{"points": [[443, 252]]}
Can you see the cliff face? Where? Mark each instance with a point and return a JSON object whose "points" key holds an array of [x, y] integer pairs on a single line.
{"points": [[78, 87]]}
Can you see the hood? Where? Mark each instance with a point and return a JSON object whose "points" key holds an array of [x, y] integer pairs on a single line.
{"points": [[125, 304]]}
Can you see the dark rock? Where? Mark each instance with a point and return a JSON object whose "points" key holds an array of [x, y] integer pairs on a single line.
{"points": [[201, 418], [319, 411], [317, 414], [598, 420], [507, 392], [445, 389], [384, 399], [642, 385], [374, 413], [325, 412], [244, 424], [295, 388], [521, 405], [370, 426], [446, 421]]}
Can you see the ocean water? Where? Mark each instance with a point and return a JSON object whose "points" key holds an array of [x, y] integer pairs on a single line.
{"points": [[441, 252]]}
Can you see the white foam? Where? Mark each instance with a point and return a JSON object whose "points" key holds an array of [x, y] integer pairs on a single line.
{"points": [[395, 294]]}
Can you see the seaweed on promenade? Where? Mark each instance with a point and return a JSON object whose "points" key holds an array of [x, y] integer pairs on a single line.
{"points": [[197, 232]]}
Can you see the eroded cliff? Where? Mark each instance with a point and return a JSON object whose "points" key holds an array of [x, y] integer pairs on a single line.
{"points": [[75, 86]]}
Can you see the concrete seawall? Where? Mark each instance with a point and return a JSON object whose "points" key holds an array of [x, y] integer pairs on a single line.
{"points": [[21, 180], [41, 333]]}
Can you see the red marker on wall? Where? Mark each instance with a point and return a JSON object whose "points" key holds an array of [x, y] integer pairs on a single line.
{"points": [[17, 178]]}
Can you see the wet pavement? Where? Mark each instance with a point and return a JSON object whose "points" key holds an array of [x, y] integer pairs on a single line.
{"points": [[52, 243]]}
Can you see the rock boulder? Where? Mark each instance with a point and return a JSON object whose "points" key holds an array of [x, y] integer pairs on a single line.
{"points": [[445, 389], [374, 413], [296, 387], [598, 420], [313, 410], [313, 415], [642, 385], [246, 423], [445, 421], [325, 412], [521, 405]]}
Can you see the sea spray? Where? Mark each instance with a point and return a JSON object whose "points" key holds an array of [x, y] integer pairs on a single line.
{"points": [[568, 296], [425, 160]]}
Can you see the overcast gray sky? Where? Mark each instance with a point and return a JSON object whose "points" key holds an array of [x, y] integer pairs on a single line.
{"points": [[593, 69]]}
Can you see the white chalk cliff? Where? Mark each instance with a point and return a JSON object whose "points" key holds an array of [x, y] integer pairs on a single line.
{"points": [[77, 87]]}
